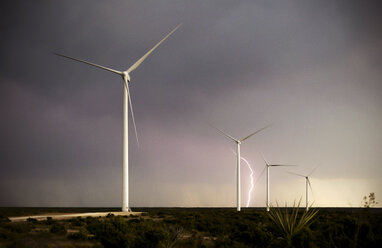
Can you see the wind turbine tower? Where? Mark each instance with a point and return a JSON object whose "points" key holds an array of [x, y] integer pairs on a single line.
{"points": [[126, 102], [238, 143], [268, 165]]}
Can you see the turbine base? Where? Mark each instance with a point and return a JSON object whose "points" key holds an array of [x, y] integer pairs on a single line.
{"points": [[126, 210]]}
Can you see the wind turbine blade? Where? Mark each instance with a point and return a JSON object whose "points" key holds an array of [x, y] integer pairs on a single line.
{"points": [[258, 178], [89, 63], [311, 189], [295, 174], [309, 184], [224, 133], [282, 165], [312, 171], [254, 133], [136, 64], [266, 162], [132, 112]]}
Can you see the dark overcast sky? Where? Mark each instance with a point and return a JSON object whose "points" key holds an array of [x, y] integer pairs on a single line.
{"points": [[312, 68]]}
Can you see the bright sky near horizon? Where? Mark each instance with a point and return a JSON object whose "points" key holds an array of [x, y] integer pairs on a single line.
{"points": [[312, 68]]}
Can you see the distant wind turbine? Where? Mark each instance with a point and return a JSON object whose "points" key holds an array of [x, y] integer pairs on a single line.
{"points": [[268, 166], [238, 143], [126, 101], [307, 184]]}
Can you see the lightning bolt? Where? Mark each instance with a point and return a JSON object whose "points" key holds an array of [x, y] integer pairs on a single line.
{"points": [[251, 179], [252, 183]]}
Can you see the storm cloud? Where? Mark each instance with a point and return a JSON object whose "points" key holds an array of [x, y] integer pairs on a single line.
{"points": [[312, 69]]}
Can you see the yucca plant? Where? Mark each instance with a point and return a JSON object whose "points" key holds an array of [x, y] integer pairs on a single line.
{"points": [[288, 222]]}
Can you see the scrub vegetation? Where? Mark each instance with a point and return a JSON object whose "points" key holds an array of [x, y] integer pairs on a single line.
{"points": [[198, 227]]}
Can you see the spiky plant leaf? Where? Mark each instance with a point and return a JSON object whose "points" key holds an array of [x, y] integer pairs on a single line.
{"points": [[288, 222]]}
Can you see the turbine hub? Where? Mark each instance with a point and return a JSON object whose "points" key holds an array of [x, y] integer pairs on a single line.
{"points": [[126, 76]]}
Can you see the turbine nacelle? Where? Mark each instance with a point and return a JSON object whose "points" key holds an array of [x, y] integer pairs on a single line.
{"points": [[273, 165], [238, 141], [126, 77]]}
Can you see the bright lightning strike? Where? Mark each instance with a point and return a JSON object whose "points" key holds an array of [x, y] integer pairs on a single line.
{"points": [[252, 183], [250, 176]]}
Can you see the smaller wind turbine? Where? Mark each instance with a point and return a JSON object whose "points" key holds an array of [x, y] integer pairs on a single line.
{"points": [[238, 143], [268, 165], [307, 184]]}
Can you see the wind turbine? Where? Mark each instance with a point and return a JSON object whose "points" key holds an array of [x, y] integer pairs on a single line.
{"points": [[238, 143], [268, 165], [126, 101], [307, 184]]}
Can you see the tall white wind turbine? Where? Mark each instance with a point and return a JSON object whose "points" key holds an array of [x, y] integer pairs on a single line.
{"points": [[238, 143], [307, 185], [268, 165], [126, 101]]}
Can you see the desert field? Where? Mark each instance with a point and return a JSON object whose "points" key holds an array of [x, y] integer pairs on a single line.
{"points": [[191, 227]]}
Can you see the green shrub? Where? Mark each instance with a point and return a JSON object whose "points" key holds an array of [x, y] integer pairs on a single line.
{"points": [[79, 236], [77, 222], [18, 244], [32, 220], [3, 218], [109, 215], [49, 221], [58, 228], [19, 227]]}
